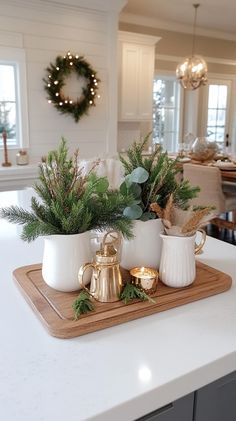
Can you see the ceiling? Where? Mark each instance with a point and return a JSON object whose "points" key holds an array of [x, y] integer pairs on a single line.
{"points": [[215, 18]]}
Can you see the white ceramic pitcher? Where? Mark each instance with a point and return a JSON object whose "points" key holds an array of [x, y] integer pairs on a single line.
{"points": [[178, 266], [63, 255]]}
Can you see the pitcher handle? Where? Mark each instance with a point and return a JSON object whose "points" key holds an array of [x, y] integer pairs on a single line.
{"points": [[199, 246], [82, 269]]}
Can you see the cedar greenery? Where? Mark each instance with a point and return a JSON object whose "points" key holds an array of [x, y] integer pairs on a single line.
{"points": [[82, 304], [55, 81], [132, 292], [152, 179], [70, 202]]}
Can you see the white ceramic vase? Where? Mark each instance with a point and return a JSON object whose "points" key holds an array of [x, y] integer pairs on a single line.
{"points": [[145, 248], [63, 255]]}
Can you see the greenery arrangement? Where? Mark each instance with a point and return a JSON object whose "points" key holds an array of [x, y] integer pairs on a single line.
{"points": [[150, 180], [55, 80], [70, 203]]}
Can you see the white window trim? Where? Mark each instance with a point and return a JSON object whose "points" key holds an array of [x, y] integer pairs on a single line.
{"points": [[168, 74], [216, 81], [16, 56]]}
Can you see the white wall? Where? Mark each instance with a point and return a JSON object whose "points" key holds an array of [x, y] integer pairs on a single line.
{"points": [[44, 30]]}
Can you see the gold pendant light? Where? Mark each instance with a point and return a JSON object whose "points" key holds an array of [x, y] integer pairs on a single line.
{"points": [[192, 72]]}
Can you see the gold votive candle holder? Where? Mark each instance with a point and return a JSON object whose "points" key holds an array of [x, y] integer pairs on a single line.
{"points": [[145, 278]]}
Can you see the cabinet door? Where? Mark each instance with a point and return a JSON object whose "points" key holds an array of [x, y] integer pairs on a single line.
{"points": [[217, 400], [180, 410], [129, 82], [146, 72], [136, 93]]}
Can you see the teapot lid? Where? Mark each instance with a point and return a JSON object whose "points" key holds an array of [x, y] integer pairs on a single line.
{"points": [[107, 255]]}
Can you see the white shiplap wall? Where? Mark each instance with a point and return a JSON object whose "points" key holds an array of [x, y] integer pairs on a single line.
{"points": [[45, 30]]}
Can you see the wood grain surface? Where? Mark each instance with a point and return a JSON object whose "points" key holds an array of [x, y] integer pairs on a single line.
{"points": [[54, 308]]}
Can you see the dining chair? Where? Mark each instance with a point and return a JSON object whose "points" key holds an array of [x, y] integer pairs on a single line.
{"points": [[213, 193]]}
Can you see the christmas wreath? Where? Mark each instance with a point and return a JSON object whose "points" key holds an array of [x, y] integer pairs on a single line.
{"points": [[55, 80]]}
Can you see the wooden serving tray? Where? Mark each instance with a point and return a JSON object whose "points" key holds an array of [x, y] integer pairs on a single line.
{"points": [[54, 308]]}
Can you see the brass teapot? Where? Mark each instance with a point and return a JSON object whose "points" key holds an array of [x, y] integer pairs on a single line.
{"points": [[106, 280]]}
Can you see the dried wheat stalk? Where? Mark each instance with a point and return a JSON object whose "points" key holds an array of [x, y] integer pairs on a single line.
{"points": [[179, 222], [195, 221], [168, 211], [157, 209]]}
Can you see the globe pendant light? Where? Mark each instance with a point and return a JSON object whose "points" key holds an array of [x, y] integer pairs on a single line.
{"points": [[192, 72]]}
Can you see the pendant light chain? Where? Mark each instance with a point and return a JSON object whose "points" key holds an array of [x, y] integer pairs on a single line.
{"points": [[196, 5]]}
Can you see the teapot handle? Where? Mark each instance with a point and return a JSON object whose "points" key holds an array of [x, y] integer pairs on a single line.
{"points": [[115, 239], [82, 269]]}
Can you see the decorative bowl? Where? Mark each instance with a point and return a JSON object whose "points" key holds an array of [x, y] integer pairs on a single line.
{"points": [[203, 150]]}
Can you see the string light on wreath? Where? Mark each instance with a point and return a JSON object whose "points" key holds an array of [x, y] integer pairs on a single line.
{"points": [[56, 80]]}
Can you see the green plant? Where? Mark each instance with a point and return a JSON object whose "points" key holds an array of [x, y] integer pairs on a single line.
{"points": [[70, 203], [82, 304], [132, 292], [152, 179]]}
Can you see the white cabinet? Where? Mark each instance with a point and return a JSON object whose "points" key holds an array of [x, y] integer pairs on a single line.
{"points": [[136, 72]]}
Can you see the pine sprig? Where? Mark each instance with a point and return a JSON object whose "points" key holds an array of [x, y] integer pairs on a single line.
{"points": [[34, 229], [68, 202], [82, 304], [108, 212], [18, 215], [183, 194], [132, 292]]}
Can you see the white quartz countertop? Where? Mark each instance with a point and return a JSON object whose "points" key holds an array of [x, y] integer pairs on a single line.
{"points": [[119, 373]]}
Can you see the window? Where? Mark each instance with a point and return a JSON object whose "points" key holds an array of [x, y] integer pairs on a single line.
{"points": [[13, 104], [218, 111], [166, 112], [8, 102]]}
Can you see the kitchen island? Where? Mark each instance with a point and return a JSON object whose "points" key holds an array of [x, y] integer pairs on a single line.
{"points": [[120, 373]]}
